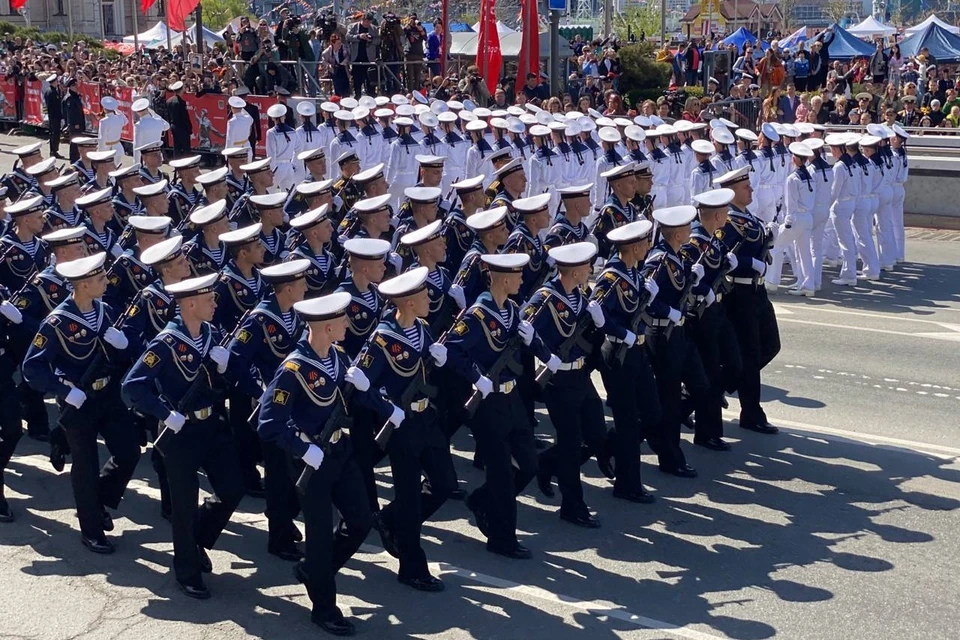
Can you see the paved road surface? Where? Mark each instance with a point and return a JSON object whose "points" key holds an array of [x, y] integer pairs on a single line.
{"points": [[842, 526]]}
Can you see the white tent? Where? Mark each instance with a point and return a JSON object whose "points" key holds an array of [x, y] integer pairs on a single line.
{"points": [[235, 23], [209, 37], [157, 33], [871, 28], [502, 29], [935, 20]]}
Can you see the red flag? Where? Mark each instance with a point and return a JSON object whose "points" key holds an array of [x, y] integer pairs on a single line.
{"points": [[146, 4], [177, 11], [530, 45], [489, 58], [16, 5]]}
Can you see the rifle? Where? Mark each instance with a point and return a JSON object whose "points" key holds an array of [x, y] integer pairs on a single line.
{"points": [[575, 339], [620, 352], [685, 298], [722, 284], [339, 419]]}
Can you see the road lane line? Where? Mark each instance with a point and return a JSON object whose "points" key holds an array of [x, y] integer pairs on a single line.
{"points": [[950, 337], [880, 316]]}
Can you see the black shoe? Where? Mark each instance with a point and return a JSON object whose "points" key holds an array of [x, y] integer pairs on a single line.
{"points": [[295, 533], [97, 545], [58, 454], [540, 444], [387, 537], [285, 551], [58, 156], [684, 471], [339, 627], [760, 427], [689, 422], [518, 552], [714, 444], [300, 573], [458, 494], [605, 464], [478, 515], [584, 520], [206, 564], [724, 403], [429, 583], [544, 483], [640, 497], [107, 520], [6, 514], [196, 590]]}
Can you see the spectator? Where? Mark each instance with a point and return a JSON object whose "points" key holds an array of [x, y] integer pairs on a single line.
{"points": [[770, 109], [247, 40], [951, 101], [878, 66], [935, 114], [803, 109], [335, 58], [691, 110], [744, 64], [691, 63], [788, 104], [363, 40], [434, 49], [801, 69], [614, 105], [894, 64], [474, 86], [414, 37], [533, 90]]}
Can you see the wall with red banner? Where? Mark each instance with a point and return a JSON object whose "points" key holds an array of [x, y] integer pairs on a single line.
{"points": [[90, 98], [32, 102], [263, 103], [8, 93], [208, 115], [124, 96]]}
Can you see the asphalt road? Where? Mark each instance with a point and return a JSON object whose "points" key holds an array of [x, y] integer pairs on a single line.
{"points": [[842, 526]]}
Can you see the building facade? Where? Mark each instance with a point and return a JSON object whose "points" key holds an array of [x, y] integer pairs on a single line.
{"points": [[109, 19]]}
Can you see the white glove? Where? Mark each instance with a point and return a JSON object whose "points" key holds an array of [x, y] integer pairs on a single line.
{"points": [[396, 261], [75, 398], [651, 286], [10, 312], [630, 339], [697, 272], [526, 332], [313, 457], [397, 416], [732, 261], [674, 316], [115, 338], [553, 364], [484, 385], [596, 313], [357, 378], [220, 356], [174, 421], [439, 353], [116, 251], [787, 223], [456, 292], [759, 266], [711, 297]]}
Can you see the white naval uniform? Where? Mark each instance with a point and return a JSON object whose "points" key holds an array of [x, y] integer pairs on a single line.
{"points": [[402, 169], [748, 158], [342, 141], [108, 137], [844, 192], [677, 189], [660, 168], [238, 132], [701, 179], [148, 129], [454, 167], [308, 140], [866, 209], [886, 237], [545, 175], [901, 171], [478, 162], [769, 185], [370, 141], [282, 149], [822, 174], [799, 201], [608, 160]]}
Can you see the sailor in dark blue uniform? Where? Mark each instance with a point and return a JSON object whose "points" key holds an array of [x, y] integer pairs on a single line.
{"points": [[184, 194], [498, 159], [707, 323], [237, 181], [373, 215], [401, 350], [308, 195], [244, 213], [64, 212], [315, 230], [264, 338], [43, 172], [624, 367], [568, 225], [153, 198], [430, 174], [513, 184], [490, 234], [459, 236], [747, 304], [491, 325], [369, 183], [74, 346], [102, 163], [185, 354], [125, 201], [535, 216], [11, 429], [206, 251], [214, 185], [270, 216], [22, 251], [83, 165], [18, 182], [314, 164], [344, 187], [131, 273], [673, 356], [100, 236], [428, 248], [423, 210], [344, 140], [642, 200], [616, 210], [151, 157], [306, 390], [575, 409]]}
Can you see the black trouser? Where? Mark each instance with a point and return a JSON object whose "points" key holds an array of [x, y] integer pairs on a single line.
{"points": [[338, 483], [245, 437], [503, 437], [11, 429], [414, 73], [417, 448], [181, 140], [362, 78], [368, 454], [282, 502], [758, 336], [206, 445], [527, 387], [74, 131], [453, 391], [675, 361], [54, 132], [154, 427], [716, 343], [576, 412], [633, 400], [101, 414]]}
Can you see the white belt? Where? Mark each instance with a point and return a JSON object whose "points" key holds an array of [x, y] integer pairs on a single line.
{"points": [[640, 340], [420, 405], [576, 365], [662, 322], [100, 383], [506, 387], [746, 280], [110, 144], [334, 437], [240, 143]]}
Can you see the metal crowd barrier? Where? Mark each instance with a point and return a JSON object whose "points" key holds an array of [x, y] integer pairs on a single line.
{"points": [[744, 112]]}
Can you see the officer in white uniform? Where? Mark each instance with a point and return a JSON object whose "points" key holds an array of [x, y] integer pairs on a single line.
{"points": [[844, 192], [822, 174], [901, 173], [799, 202], [239, 126], [456, 149], [282, 148], [769, 185], [867, 203], [309, 137], [148, 127], [111, 128], [703, 173], [886, 238], [545, 169], [402, 168]]}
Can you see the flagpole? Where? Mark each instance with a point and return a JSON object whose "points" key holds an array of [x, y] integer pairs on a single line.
{"points": [[70, 19], [136, 27], [166, 6]]}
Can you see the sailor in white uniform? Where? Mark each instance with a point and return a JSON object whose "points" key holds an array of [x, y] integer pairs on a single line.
{"points": [[148, 127], [238, 126], [282, 148], [545, 170], [456, 149], [111, 128], [800, 197], [845, 190], [402, 169], [308, 136]]}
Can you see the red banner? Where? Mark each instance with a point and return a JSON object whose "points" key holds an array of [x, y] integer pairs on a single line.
{"points": [[208, 115], [90, 98], [263, 103], [529, 61], [8, 94], [489, 58], [32, 102], [124, 96]]}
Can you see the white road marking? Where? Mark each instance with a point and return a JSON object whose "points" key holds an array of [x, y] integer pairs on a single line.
{"points": [[921, 388], [952, 337], [867, 314]]}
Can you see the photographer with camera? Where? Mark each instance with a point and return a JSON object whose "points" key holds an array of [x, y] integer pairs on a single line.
{"points": [[391, 51], [474, 86], [363, 40], [414, 35]]}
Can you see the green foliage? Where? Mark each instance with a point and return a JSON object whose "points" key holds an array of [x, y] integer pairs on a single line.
{"points": [[46, 37], [217, 13], [642, 75], [644, 18]]}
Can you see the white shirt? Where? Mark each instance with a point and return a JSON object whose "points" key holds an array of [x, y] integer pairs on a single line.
{"points": [[238, 129], [111, 128]]}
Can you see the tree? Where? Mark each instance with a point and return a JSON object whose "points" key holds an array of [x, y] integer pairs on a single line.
{"points": [[836, 10], [644, 18], [217, 13]]}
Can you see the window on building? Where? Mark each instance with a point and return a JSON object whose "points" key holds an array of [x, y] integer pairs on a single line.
{"points": [[109, 24]]}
